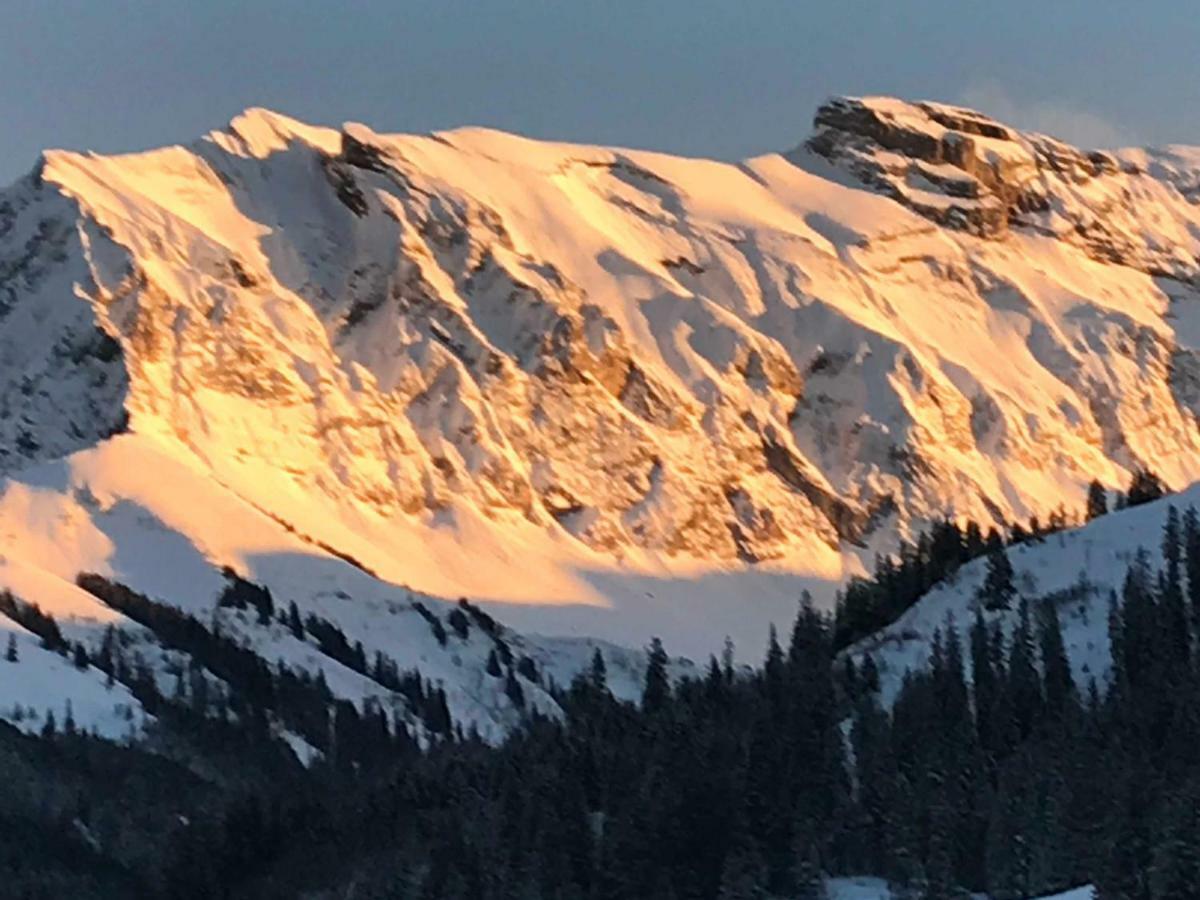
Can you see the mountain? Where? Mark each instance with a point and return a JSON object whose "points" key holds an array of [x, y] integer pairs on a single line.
{"points": [[602, 393]]}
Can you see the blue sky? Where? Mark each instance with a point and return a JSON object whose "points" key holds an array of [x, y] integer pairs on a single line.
{"points": [[724, 79]]}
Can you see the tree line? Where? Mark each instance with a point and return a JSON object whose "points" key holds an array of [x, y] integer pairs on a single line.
{"points": [[867, 605]]}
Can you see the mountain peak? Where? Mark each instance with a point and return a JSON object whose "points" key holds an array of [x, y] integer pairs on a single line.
{"points": [[958, 166], [262, 131], [931, 117]]}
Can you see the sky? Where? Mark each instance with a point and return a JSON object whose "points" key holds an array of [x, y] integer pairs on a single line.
{"points": [[720, 79]]}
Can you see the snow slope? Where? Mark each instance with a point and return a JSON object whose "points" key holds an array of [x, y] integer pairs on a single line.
{"points": [[611, 393], [169, 537], [875, 889], [41, 684], [1095, 556]]}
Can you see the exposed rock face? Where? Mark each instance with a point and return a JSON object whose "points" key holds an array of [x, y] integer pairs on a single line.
{"points": [[963, 170], [644, 353], [952, 165], [63, 381]]}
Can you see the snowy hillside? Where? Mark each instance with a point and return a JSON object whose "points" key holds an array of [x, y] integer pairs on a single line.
{"points": [[169, 537], [604, 393], [874, 889], [1082, 567]]}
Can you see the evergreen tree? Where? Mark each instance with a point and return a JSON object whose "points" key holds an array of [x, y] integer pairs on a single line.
{"points": [[1144, 487], [1124, 874], [1172, 544], [807, 878], [598, 673], [1175, 869], [876, 779], [773, 668], [869, 677], [984, 680], [727, 657], [1009, 842], [1058, 685], [1191, 549], [998, 589], [513, 689], [295, 625], [1024, 682], [1097, 501], [851, 680], [974, 544], [10, 654], [657, 691]]}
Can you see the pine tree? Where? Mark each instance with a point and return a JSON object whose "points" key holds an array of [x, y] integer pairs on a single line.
{"points": [[1097, 501], [1172, 544], [851, 679], [493, 664], [869, 677], [998, 589], [10, 654], [1191, 549], [951, 686], [727, 657], [973, 542], [512, 688], [657, 690], [598, 674], [295, 625], [1175, 871], [1124, 874], [1173, 604], [1024, 683], [876, 776], [1140, 624], [808, 881], [1059, 686], [1009, 850], [773, 668], [1144, 487], [983, 677]]}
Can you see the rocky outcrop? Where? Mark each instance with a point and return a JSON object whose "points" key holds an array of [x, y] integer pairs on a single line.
{"points": [[966, 171]]}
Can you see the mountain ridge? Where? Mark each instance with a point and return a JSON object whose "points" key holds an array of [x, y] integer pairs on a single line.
{"points": [[622, 392]]}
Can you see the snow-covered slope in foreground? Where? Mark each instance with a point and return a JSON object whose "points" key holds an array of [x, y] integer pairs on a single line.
{"points": [[874, 889], [627, 392]]}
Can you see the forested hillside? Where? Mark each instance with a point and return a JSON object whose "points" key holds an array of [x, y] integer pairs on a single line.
{"points": [[992, 769]]}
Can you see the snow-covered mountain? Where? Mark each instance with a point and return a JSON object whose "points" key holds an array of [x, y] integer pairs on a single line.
{"points": [[615, 391]]}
